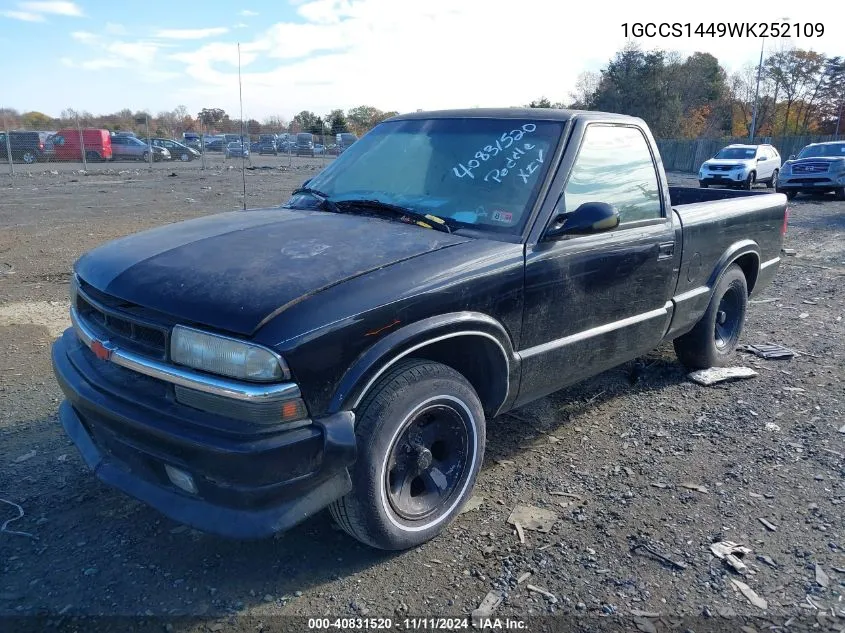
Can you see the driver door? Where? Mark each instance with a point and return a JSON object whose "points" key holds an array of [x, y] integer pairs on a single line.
{"points": [[594, 301]]}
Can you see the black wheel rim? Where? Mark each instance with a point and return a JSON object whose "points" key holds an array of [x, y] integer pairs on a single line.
{"points": [[428, 463], [728, 318]]}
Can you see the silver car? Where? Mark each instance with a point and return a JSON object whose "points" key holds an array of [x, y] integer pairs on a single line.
{"points": [[132, 148]]}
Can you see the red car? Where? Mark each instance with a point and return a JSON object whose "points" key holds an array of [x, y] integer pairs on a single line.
{"points": [[70, 144]]}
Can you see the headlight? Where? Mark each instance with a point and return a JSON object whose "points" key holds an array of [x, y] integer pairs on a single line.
{"points": [[786, 169], [226, 356], [838, 168]]}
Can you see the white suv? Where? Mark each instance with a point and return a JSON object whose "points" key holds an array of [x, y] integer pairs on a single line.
{"points": [[741, 165]]}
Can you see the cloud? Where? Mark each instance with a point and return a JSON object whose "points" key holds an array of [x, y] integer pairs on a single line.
{"points": [[115, 29], [26, 16], [54, 8], [248, 14], [190, 34], [140, 56]]}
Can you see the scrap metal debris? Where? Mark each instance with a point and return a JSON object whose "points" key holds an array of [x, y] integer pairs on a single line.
{"points": [[715, 375], [552, 597], [696, 487], [24, 457], [769, 526], [658, 555], [750, 594], [532, 518], [732, 554], [768, 351], [491, 601], [519, 531], [821, 577], [523, 577], [20, 516]]}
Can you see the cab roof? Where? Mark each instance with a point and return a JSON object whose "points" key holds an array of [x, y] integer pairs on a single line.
{"points": [[545, 114]]}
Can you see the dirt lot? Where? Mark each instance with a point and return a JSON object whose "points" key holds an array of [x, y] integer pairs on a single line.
{"points": [[645, 457]]}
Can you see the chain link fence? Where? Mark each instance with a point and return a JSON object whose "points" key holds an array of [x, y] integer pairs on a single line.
{"points": [[73, 146]]}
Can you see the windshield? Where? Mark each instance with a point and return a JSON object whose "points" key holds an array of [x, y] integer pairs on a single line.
{"points": [[737, 153], [829, 150], [479, 172]]}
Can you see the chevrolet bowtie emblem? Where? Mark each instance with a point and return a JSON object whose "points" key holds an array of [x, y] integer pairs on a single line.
{"points": [[102, 349]]}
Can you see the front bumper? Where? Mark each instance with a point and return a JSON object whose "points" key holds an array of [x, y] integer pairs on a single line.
{"points": [[249, 484], [722, 178], [811, 182]]}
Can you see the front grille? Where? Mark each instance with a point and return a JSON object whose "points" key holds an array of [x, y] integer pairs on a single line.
{"points": [[809, 181], [127, 331], [810, 168], [721, 167]]}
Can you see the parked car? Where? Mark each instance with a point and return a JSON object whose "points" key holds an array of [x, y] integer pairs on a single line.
{"points": [[304, 144], [818, 168], [215, 145], [126, 147], [177, 150], [741, 166], [319, 149], [267, 146], [26, 147], [344, 140], [494, 257], [236, 150], [71, 143]]}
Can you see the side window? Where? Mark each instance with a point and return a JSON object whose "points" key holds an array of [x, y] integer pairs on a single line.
{"points": [[614, 165], [58, 140]]}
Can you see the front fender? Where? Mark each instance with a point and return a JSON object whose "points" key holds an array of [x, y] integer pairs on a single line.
{"points": [[369, 366]]}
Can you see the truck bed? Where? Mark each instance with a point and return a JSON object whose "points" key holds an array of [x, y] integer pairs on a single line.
{"points": [[716, 225]]}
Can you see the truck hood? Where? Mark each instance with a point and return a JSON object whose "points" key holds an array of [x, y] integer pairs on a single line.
{"points": [[232, 271], [824, 160]]}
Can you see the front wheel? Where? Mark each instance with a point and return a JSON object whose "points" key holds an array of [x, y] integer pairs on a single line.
{"points": [[773, 181], [420, 434], [146, 157], [185, 157], [748, 182], [714, 338], [840, 193], [29, 157]]}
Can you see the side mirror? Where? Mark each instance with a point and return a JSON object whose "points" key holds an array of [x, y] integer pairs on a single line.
{"points": [[792, 157], [760, 159], [590, 217]]}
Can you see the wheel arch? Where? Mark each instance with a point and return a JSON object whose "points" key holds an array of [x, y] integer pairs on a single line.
{"points": [[473, 344], [745, 254]]}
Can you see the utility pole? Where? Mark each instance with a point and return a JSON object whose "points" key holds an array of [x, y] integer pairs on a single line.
{"points": [[756, 95], [8, 148], [839, 119]]}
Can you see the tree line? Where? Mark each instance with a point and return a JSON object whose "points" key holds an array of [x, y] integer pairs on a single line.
{"points": [[173, 123], [801, 92]]}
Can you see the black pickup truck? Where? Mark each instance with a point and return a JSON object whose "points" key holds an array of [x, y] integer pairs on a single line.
{"points": [[241, 371]]}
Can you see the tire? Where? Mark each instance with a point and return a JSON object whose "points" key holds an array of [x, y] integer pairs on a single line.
{"points": [[420, 417], [146, 157], [29, 157], [185, 157], [714, 338], [749, 181], [790, 195], [839, 193], [773, 181], [703, 185], [92, 156]]}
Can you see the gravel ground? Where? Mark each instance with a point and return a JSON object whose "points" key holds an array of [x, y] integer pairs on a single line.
{"points": [[636, 461]]}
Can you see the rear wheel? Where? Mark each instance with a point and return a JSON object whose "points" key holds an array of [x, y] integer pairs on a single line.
{"points": [[840, 193], [92, 156], [29, 157], [185, 157], [714, 338], [146, 157], [420, 434], [773, 181]]}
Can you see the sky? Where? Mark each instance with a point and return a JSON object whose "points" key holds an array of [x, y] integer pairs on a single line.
{"points": [[403, 55]]}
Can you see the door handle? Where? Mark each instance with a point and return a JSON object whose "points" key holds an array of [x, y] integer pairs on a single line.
{"points": [[666, 251]]}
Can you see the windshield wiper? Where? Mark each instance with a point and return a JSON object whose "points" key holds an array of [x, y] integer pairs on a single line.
{"points": [[326, 203], [425, 220]]}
